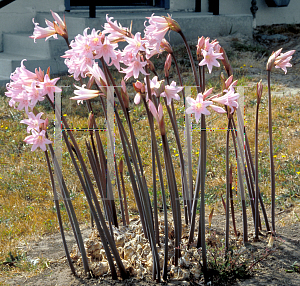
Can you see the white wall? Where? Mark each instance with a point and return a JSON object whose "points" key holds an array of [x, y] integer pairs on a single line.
{"points": [[17, 16]]}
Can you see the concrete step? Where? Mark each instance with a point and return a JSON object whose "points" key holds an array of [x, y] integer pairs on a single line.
{"points": [[9, 62], [48, 53], [21, 44], [192, 24]]}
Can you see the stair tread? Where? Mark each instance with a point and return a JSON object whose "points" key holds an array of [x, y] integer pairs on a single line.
{"points": [[11, 56]]}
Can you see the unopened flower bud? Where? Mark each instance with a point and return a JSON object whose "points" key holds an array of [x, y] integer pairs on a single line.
{"points": [[151, 66], [259, 90], [173, 25], [271, 60], [226, 63], [90, 82], [139, 87], [124, 94], [200, 46], [158, 115], [44, 125], [121, 167], [161, 89], [40, 74], [91, 121], [168, 64], [165, 45]]}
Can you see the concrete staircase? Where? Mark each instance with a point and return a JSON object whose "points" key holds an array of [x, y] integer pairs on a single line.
{"points": [[17, 47]]}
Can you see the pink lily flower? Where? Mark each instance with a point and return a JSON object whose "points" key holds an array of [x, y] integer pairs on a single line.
{"points": [[99, 77], [171, 91], [117, 60], [280, 60], [198, 106], [155, 85], [229, 99], [136, 44], [106, 50], [33, 121], [41, 33], [158, 115], [38, 139], [48, 86], [57, 27], [24, 101], [134, 68], [210, 59], [283, 60], [116, 31], [35, 93], [84, 94]]}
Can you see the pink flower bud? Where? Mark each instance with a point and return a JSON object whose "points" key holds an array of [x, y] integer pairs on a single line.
{"points": [[158, 115], [165, 45], [200, 46], [124, 94], [139, 87], [173, 25], [168, 64], [259, 90]]}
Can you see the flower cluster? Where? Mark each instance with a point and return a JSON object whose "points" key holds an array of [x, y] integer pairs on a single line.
{"points": [[87, 48], [25, 90], [210, 52]]}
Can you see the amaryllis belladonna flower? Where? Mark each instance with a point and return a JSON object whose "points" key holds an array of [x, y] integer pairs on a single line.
{"points": [[280, 60], [33, 121], [171, 91], [37, 139], [210, 59], [198, 106], [84, 93], [229, 99], [53, 28]]}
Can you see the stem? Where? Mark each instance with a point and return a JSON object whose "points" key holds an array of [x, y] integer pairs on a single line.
{"points": [[256, 171], [59, 216], [231, 203], [191, 60], [227, 186], [272, 171], [202, 185]]}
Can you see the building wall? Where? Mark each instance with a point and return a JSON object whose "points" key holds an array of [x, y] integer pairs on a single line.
{"points": [[265, 15], [17, 16], [182, 5]]}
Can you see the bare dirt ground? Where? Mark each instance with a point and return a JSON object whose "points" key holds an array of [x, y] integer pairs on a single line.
{"points": [[273, 266]]}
